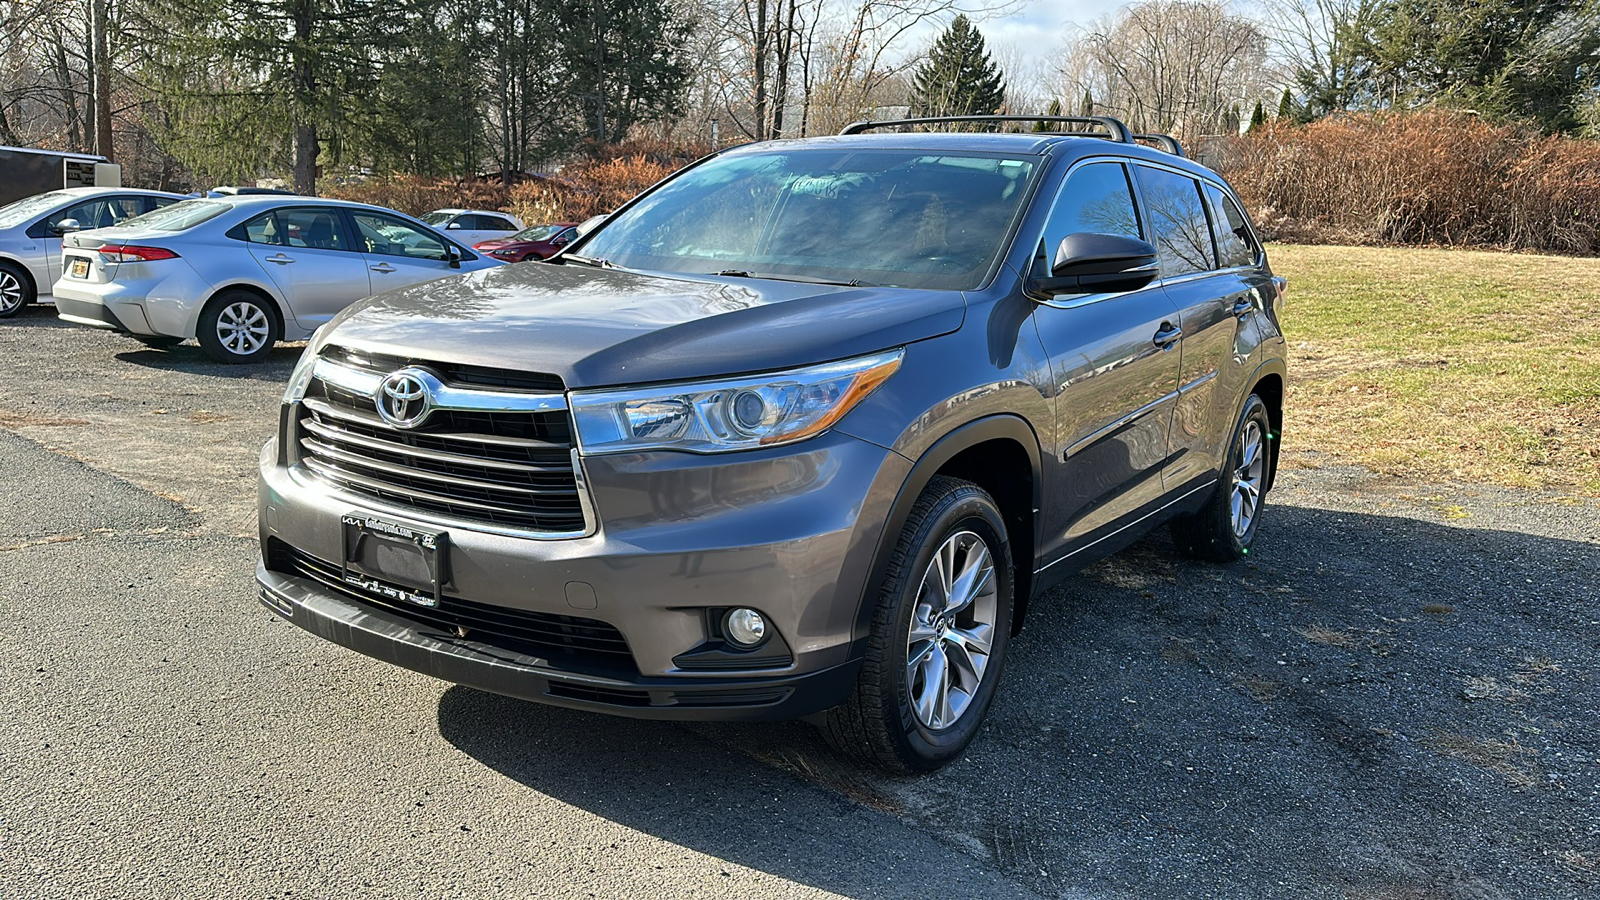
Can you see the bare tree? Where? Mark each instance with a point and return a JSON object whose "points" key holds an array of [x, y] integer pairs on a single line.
{"points": [[1316, 42], [1171, 65]]}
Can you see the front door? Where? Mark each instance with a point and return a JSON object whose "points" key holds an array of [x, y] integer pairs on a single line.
{"points": [[1114, 361], [399, 253], [311, 259]]}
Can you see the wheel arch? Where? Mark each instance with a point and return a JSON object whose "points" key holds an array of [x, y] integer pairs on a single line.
{"points": [[1268, 383], [274, 305], [999, 453], [26, 272]]}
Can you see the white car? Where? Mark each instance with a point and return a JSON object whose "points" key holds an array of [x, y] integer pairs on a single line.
{"points": [[241, 273], [31, 230], [470, 226]]}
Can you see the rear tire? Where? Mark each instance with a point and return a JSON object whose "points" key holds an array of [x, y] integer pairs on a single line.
{"points": [[16, 289], [238, 327], [1224, 528], [939, 636]]}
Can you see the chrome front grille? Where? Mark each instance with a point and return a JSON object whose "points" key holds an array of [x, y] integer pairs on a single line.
{"points": [[483, 457]]}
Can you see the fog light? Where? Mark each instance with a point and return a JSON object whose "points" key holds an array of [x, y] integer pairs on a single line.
{"points": [[745, 627]]}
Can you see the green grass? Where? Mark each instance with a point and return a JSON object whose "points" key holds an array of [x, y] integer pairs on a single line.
{"points": [[1457, 365]]}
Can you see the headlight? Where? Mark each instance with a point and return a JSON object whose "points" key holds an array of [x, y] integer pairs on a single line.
{"points": [[731, 414], [300, 378]]}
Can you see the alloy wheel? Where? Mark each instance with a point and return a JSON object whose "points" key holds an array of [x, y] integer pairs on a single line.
{"points": [[952, 630], [10, 291], [1251, 467], [243, 328]]}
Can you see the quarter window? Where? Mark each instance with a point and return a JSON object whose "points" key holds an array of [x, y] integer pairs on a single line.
{"points": [[1095, 199], [1236, 246], [1178, 221]]}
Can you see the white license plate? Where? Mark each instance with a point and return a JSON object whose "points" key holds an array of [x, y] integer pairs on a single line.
{"points": [[80, 268]]}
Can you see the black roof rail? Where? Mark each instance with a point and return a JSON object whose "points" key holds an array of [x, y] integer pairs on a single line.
{"points": [[1165, 142], [1115, 130]]}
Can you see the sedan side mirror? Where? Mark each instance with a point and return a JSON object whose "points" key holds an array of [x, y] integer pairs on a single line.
{"points": [[1089, 263], [67, 226], [453, 226], [453, 254]]}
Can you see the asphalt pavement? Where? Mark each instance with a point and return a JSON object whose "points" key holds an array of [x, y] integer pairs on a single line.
{"points": [[1396, 696]]}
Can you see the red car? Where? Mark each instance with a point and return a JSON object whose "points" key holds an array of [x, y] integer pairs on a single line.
{"points": [[537, 242]]}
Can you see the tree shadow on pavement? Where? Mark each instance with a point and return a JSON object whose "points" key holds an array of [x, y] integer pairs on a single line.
{"points": [[1371, 705]]}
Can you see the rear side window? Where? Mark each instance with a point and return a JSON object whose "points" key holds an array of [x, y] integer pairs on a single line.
{"points": [[492, 223], [1236, 246], [312, 229], [1095, 199], [1177, 221]]}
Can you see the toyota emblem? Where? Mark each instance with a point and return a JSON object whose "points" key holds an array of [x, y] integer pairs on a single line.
{"points": [[404, 398]]}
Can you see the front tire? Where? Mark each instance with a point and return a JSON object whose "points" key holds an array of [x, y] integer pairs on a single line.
{"points": [[16, 289], [238, 327], [939, 636], [1223, 530]]}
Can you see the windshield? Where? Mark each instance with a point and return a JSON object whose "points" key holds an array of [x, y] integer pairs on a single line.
{"points": [[179, 216], [28, 207], [437, 218], [906, 218], [539, 232]]}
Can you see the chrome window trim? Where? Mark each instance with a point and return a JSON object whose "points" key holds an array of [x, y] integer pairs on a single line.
{"points": [[442, 396]]}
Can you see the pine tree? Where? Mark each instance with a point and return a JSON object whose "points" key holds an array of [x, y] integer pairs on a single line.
{"points": [[958, 78], [1286, 107], [1087, 107], [1258, 119], [1054, 110]]}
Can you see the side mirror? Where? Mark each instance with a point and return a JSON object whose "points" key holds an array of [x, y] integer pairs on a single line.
{"points": [[66, 226], [453, 226], [1088, 263], [453, 254]]}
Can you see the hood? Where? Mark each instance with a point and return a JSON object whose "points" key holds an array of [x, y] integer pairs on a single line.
{"points": [[606, 327]]}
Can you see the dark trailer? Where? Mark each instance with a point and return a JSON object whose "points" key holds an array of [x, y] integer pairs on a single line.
{"points": [[25, 172]]}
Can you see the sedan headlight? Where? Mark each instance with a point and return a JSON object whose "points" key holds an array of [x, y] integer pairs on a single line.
{"points": [[729, 414]]}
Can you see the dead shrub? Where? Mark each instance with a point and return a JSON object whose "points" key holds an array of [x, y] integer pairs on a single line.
{"points": [[1419, 178]]}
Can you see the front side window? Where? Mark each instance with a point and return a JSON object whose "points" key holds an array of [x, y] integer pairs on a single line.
{"points": [[1096, 199], [494, 223], [1236, 245], [905, 218], [385, 236], [1177, 221]]}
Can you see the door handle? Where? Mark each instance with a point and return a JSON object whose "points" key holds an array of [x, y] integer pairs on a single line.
{"points": [[280, 259], [1168, 335], [383, 267], [1243, 306]]}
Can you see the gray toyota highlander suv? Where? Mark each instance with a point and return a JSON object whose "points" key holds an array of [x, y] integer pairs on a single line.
{"points": [[801, 431]]}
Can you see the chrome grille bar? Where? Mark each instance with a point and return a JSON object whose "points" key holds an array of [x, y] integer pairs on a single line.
{"points": [[442, 396]]}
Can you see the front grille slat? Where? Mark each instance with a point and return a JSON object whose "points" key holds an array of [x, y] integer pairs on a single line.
{"points": [[510, 469], [576, 643]]}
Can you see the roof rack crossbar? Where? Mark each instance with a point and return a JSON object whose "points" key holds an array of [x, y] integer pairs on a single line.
{"points": [[1165, 141], [1115, 130]]}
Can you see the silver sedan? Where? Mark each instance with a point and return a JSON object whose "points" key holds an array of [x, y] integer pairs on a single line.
{"points": [[241, 273], [31, 230]]}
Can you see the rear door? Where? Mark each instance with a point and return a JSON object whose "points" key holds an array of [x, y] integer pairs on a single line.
{"points": [[1115, 379], [1204, 294], [397, 252], [310, 257]]}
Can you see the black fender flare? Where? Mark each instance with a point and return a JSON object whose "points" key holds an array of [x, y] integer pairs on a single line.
{"points": [[995, 427], [1274, 365]]}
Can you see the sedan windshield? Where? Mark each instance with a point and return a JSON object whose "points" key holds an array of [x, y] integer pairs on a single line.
{"points": [[905, 218], [21, 211], [437, 218], [179, 216]]}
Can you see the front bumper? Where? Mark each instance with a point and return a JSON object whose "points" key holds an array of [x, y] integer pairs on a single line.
{"points": [[394, 639], [788, 531]]}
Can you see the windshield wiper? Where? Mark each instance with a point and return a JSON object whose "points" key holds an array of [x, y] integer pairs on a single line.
{"points": [[595, 261], [803, 279]]}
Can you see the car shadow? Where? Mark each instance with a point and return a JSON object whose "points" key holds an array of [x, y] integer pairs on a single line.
{"points": [[1361, 708], [188, 357]]}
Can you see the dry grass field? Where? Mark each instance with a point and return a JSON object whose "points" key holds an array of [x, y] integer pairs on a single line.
{"points": [[1454, 365]]}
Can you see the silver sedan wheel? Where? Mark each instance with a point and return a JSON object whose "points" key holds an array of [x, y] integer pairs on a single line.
{"points": [[10, 291], [1247, 478], [952, 630], [243, 328]]}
